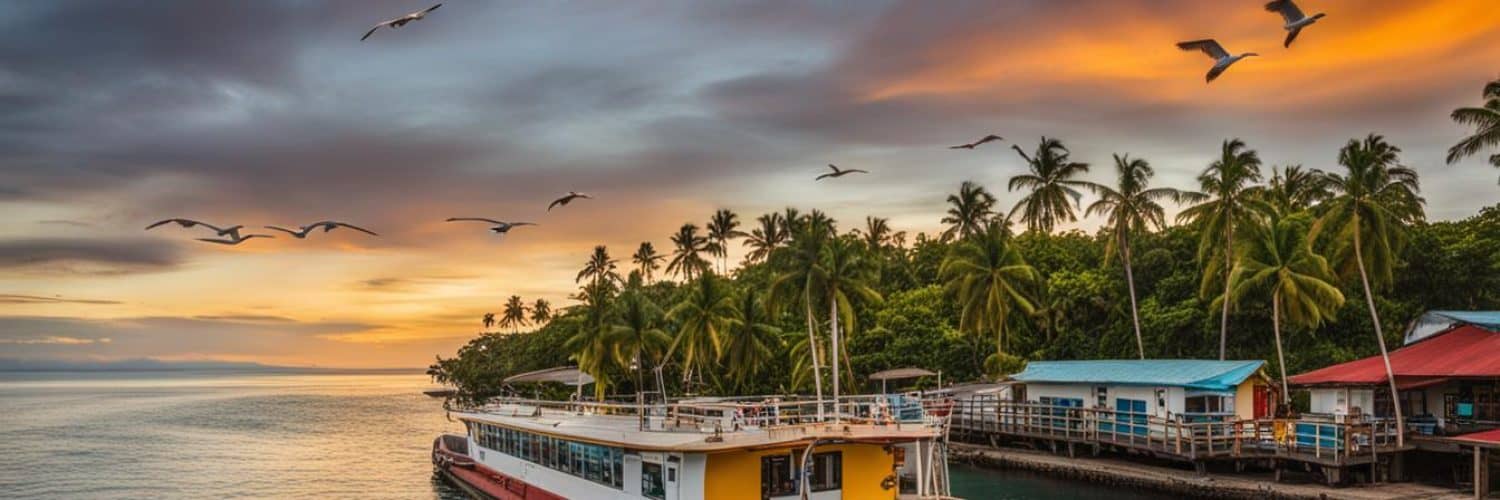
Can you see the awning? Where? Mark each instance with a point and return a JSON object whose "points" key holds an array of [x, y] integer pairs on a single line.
{"points": [[900, 373], [1490, 437], [564, 374], [1464, 352]]}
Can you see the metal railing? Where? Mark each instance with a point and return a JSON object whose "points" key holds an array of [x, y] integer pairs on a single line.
{"points": [[709, 415], [1205, 435]]}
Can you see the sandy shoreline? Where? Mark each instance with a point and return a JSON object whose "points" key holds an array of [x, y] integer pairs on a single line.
{"points": [[1119, 472]]}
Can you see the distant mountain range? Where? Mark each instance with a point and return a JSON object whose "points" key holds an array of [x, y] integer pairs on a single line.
{"points": [[148, 364]]}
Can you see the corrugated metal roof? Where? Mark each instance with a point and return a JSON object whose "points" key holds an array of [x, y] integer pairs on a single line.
{"points": [[900, 373], [1488, 437], [1466, 351], [1190, 373]]}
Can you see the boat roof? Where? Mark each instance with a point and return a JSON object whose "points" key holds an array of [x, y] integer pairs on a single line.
{"points": [[1188, 373], [570, 375], [623, 430]]}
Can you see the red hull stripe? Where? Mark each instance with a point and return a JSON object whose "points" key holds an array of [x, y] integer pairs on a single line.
{"points": [[500, 486]]}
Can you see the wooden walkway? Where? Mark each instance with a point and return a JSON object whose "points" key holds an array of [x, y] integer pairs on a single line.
{"points": [[1328, 445]]}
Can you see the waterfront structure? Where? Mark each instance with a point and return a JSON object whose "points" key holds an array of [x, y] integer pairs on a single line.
{"points": [[703, 448], [1173, 389], [1447, 375]]}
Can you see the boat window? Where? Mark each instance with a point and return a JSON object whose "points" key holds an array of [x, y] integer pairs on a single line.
{"points": [[651, 483], [601, 464], [828, 471], [776, 479]]}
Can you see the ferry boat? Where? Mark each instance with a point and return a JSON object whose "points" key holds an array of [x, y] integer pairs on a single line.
{"points": [[773, 447]]}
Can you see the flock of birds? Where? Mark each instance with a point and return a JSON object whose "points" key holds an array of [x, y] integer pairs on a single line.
{"points": [[1295, 21], [231, 235]]}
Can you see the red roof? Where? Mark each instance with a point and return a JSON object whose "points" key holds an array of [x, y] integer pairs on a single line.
{"points": [[1466, 351], [1491, 436]]}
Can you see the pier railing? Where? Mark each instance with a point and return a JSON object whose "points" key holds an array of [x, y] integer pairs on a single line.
{"points": [[1190, 437]]}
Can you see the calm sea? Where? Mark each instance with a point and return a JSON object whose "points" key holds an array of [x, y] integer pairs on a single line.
{"points": [[236, 435]]}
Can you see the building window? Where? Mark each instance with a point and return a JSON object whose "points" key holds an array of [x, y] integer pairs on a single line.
{"points": [[776, 478], [651, 483], [827, 471], [1101, 396], [1204, 404]]}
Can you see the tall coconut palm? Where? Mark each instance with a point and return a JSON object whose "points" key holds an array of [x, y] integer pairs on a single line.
{"points": [[1226, 202], [646, 260], [968, 211], [704, 318], [844, 276], [488, 321], [635, 336], [796, 282], [988, 277], [514, 315], [1053, 189], [722, 227], [752, 341], [1131, 208], [1486, 122], [1374, 199], [768, 237], [1276, 259], [1293, 189], [600, 267], [541, 311], [686, 261]]}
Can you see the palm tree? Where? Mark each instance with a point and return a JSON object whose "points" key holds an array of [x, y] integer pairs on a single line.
{"points": [[514, 314], [768, 237], [988, 277], [704, 318], [635, 336], [1293, 189], [1131, 208], [600, 267], [1226, 201], [799, 267], [685, 259], [541, 311], [488, 321], [722, 227], [1051, 184], [844, 276], [752, 341], [967, 211], [647, 260], [1277, 257], [1373, 202], [1486, 122], [877, 233]]}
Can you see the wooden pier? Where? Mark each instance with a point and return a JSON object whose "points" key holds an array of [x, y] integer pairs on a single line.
{"points": [[1330, 448]]}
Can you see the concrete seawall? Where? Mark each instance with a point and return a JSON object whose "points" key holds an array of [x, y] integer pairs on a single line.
{"points": [[1180, 482]]}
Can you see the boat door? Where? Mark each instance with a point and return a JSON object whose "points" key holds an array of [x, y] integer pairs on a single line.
{"points": [[673, 477]]}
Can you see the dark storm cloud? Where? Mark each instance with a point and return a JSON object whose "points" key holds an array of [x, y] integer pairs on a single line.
{"points": [[84, 255]]}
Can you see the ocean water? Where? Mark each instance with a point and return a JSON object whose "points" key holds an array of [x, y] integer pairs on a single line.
{"points": [[256, 435]]}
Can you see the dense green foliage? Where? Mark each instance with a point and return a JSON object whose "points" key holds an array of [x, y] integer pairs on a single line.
{"points": [[977, 300]]}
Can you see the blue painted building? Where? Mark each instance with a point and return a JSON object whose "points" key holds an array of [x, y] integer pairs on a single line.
{"points": [[1178, 389]]}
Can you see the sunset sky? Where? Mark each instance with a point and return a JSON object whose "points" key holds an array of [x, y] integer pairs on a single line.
{"points": [[117, 114]]}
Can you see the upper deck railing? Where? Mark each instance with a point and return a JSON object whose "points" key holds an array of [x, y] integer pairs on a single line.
{"points": [[709, 415]]}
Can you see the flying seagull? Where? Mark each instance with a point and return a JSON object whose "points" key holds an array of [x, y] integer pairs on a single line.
{"points": [[500, 227], [1221, 57], [235, 239], [1295, 19], [568, 198], [327, 225], [839, 173], [231, 231], [400, 21], [972, 145]]}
